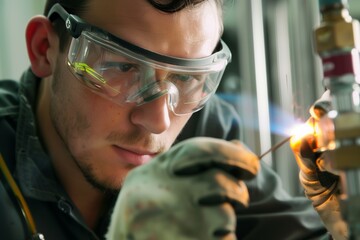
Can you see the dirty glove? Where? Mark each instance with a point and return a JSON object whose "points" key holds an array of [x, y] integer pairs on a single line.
{"points": [[318, 180], [190, 192]]}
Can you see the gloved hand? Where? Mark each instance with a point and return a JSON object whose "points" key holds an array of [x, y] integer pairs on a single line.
{"points": [[190, 192], [320, 182]]}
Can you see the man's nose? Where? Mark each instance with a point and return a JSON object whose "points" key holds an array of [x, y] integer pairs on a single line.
{"points": [[153, 115]]}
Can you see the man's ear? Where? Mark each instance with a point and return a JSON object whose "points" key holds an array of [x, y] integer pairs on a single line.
{"points": [[40, 39]]}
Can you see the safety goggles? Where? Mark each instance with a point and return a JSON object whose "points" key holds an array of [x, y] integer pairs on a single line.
{"points": [[126, 73]]}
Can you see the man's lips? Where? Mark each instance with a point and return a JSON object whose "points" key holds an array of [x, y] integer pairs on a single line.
{"points": [[133, 157]]}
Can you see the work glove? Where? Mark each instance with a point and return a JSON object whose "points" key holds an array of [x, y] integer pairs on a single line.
{"points": [[320, 182], [192, 191]]}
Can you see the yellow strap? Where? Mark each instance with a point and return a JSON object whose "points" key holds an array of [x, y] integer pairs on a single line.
{"points": [[14, 187]]}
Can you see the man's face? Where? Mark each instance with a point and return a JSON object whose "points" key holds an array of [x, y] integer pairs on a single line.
{"points": [[107, 140]]}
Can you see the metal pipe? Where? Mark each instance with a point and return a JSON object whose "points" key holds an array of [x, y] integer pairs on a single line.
{"points": [[337, 43]]}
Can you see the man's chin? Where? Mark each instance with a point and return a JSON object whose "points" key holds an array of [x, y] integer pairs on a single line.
{"points": [[111, 185]]}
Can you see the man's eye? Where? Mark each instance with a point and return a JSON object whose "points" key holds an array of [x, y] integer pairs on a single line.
{"points": [[123, 67], [183, 77]]}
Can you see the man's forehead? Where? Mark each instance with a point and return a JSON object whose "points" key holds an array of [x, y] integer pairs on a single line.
{"points": [[138, 22], [132, 9]]}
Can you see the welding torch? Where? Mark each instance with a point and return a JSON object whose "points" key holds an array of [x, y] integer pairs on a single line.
{"points": [[310, 148]]}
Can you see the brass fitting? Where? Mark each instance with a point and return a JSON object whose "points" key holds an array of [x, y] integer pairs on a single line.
{"points": [[338, 31], [346, 154]]}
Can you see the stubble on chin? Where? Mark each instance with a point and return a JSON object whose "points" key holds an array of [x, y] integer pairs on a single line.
{"points": [[108, 186]]}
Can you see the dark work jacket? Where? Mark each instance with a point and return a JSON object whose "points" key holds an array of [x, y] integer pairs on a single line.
{"points": [[272, 213]]}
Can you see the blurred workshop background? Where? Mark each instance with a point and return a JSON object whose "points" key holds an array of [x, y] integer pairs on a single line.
{"points": [[272, 81]]}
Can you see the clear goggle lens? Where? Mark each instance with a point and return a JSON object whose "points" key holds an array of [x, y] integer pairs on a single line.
{"points": [[126, 77]]}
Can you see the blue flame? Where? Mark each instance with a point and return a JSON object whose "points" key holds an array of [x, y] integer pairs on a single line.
{"points": [[281, 122]]}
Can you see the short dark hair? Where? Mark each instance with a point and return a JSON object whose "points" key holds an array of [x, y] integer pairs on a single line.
{"points": [[176, 5], [77, 7], [170, 6]]}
